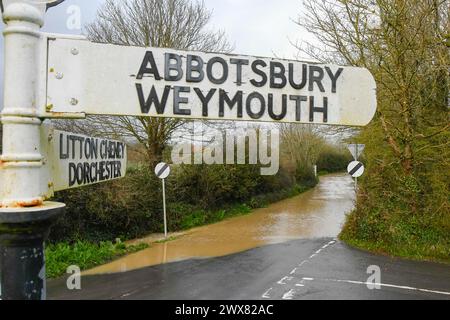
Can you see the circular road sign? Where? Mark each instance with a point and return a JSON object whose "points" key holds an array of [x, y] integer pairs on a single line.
{"points": [[162, 170], [355, 169]]}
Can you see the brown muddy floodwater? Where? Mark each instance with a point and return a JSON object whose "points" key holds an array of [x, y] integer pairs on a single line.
{"points": [[317, 213]]}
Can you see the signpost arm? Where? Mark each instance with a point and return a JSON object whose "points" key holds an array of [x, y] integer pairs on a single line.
{"points": [[25, 218]]}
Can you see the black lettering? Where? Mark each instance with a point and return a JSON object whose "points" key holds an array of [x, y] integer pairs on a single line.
{"points": [[239, 63], [63, 155], [198, 68], [95, 148], [209, 72], [79, 174], [169, 66], [313, 109], [152, 99], [94, 177], [103, 149], [259, 72], [205, 100], [280, 75], [224, 98], [72, 174], [81, 140], [298, 104], [258, 96], [302, 84], [148, 58], [334, 77], [177, 100], [102, 171], [88, 148], [119, 168], [316, 75], [72, 140], [86, 173], [283, 108]]}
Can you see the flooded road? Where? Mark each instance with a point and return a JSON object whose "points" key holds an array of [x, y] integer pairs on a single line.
{"points": [[317, 213]]}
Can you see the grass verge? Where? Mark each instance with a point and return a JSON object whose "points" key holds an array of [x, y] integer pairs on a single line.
{"points": [[414, 237], [84, 254], [433, 253]]}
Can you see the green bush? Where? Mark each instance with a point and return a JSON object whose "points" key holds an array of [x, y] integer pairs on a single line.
{"points": [[332, 159], [132, 207]]}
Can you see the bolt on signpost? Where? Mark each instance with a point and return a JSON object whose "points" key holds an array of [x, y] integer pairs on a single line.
{"points": [[162, 171], [48, 76]]}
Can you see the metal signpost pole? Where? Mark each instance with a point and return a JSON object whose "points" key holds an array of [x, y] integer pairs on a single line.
{"points": [[164, 207], [356, 178], [162, 171], [25, 218]]}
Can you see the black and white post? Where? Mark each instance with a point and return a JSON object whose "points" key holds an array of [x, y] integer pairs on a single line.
{"points": [[356, 168], [162, 171]]}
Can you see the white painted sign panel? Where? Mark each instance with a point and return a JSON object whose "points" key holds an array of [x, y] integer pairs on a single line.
{"points": [[91, 78], [356, 150], [355, 169], [74, 160], [162, 170]]}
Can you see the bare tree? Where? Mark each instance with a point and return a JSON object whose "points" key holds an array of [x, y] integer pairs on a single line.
{"points": [[301, 144], [178, 24], [405, 43]]}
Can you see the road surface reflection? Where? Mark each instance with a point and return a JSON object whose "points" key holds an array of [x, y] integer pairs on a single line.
{"points": [[317, 213]]}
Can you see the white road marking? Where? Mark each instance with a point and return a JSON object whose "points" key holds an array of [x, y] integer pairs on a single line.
{"points": [[390, 285], [302, 263], [289, 295], [285, 279], [266, 294]]}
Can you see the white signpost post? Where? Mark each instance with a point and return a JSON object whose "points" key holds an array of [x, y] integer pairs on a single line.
{"points": [[59, 76], [162, 171]]}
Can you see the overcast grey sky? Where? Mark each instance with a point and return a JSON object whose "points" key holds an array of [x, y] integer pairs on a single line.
{"points": [[255, 27]]}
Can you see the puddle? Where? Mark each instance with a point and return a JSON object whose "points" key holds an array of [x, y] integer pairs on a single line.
{"points": [[317, 213]]}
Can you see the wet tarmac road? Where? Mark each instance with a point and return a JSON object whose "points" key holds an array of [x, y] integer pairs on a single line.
{"points": [[291, 270], [285, 251], [319, 212]]}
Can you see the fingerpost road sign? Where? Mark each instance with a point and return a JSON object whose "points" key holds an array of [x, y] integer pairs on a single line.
{"points": [[93, 78]]}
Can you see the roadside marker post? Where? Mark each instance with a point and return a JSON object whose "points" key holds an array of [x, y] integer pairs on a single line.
{"points": [[355, 169], [355, 150], [162, 171]]}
